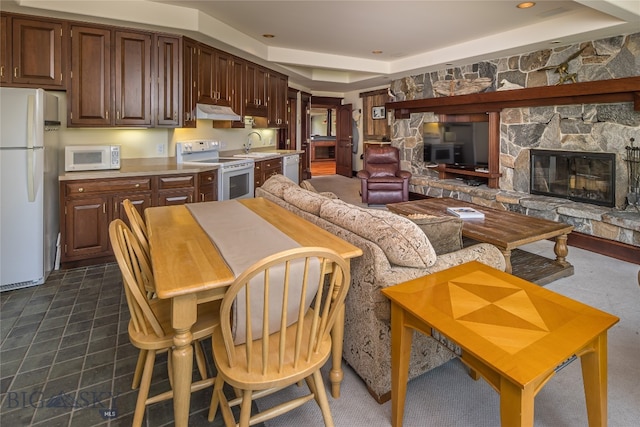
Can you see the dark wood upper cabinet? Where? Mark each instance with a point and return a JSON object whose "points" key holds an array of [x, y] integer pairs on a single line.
{"points": [[33, 52], [256, 90], [127, 77], [206, 78], [223, 63], [110, 78], [238, 78], [277, 101], [214, 67], [189, 82], [132, 79], [5, 42], [90, 89], [169, 78]]}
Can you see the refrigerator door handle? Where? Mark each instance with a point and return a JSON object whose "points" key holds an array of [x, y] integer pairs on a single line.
{"points": [[31, 174], [31, 100]]}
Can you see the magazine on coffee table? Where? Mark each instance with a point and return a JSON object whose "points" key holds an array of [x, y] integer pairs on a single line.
{"points": [[465, 212]]}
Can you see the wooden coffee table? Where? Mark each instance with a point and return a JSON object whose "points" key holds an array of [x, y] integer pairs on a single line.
{"points": [[504, 229], [514, 334]]}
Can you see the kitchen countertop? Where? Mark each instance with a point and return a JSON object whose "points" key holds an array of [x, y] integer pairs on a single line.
{"points": [[161, 166], [275, 153]]}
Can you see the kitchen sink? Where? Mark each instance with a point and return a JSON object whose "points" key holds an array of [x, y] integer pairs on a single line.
{"points": [[255, 155]]}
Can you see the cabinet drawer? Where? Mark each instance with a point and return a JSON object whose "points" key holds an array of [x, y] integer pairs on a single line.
{"points": [[176, 181], [107, 185], [273, 164]]}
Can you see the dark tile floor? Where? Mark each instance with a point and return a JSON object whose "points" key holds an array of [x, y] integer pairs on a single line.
{"points": [[66, 359]]}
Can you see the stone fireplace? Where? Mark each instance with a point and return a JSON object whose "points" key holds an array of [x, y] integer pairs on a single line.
{"points": [[578, 176], [593, 126]]}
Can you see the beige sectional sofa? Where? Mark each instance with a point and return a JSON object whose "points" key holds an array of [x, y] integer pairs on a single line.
{"points": [[395, 249]]}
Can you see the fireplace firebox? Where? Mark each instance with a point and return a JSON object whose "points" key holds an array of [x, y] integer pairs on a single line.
{"points": [[578, 176]]}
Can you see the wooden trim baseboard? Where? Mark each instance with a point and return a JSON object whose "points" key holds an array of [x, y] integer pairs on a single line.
{"points": [[610, 248]]}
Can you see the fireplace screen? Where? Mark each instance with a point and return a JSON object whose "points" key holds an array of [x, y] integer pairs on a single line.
{"points": [[579, 176]]}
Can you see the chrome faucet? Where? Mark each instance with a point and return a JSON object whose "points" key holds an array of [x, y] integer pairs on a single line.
{"points": [[247, 146]]}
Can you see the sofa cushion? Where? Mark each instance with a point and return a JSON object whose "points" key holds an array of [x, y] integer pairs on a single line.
{"points": [[308, 201], [444, 232], [402, 241], [276, 185], [309, 187]]}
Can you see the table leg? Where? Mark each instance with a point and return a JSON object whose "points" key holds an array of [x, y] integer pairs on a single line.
{"points": [[184, 311], [594, 376], [516, 404], [562, 250], [337, 337], [507, 259], [401, 337], [337, 342]]}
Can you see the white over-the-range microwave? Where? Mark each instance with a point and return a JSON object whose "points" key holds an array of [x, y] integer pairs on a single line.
{"points": [[91, 157]]}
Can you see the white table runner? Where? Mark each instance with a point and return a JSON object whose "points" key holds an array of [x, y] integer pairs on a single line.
{"points": [[243, 238]]}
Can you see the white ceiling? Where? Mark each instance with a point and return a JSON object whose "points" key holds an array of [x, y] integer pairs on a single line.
{"points": [[326, 46]]}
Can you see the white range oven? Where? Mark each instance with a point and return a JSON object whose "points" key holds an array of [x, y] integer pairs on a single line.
{"points": [[235, 175]]}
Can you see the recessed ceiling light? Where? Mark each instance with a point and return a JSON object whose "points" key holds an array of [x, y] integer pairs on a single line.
{"points": [[556, 42], [268, 36], [526, 5], [376, 52]]}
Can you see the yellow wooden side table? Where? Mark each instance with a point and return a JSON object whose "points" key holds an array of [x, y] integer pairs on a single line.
{"points": [[512, 333]]}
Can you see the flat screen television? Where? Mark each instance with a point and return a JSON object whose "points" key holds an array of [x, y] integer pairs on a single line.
{"points": [[439, 153], [469, 142]]}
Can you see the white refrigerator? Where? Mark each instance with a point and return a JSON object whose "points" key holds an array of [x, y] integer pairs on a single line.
{"points": [[29, 151]]}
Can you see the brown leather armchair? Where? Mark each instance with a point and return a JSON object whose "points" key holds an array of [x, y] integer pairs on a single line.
{"points": [[382, 180]]}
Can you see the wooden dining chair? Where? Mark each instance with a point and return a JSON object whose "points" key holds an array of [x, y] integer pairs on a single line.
{"points": [[150, 325], [136, 223], [282, 346]]}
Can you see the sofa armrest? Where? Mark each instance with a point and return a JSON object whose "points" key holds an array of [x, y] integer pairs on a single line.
{"points": [[363, 174], [403, 174]]}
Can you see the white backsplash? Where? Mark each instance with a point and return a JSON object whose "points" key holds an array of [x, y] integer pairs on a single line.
{"points": [[157, 142]]}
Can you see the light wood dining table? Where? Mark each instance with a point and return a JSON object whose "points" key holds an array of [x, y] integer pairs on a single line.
{"points": [[189, 270]]}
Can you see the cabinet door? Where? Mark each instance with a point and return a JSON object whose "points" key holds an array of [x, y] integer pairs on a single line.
{"points": [[86, 228], [190, 82], [277, 102], [206, 76], [139, 201], [258, 175], [168, 55], [37, 52], [238, 68], [223, 78], [132, 79], [90, 91], [5, 43], [256, 96], [208, 186]]}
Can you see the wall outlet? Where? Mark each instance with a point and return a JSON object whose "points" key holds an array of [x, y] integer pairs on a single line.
{"points": [[223, 145], [160, 149]]}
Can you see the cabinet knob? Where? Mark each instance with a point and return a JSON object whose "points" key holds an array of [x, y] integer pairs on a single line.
{"points": [[137, 185], [80, 190], [210, 178]]}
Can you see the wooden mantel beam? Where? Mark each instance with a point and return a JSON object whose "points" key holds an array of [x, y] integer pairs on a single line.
{"points": [[601, 91]]}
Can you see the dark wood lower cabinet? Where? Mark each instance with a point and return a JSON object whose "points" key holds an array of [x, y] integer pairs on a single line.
{"points": [[89, 206]]}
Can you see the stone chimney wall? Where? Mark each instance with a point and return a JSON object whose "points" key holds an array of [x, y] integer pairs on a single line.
{"points": [[582, 127]]}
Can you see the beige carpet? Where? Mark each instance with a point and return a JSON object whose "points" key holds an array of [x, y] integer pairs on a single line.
{"points": [[347, 189], [447, 396]]}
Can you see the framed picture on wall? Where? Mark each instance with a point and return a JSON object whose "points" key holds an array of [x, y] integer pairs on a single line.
{"points": [[378, 112]]}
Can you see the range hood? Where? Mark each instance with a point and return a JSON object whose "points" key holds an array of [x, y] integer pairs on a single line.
{"points": [[215, 112]]}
